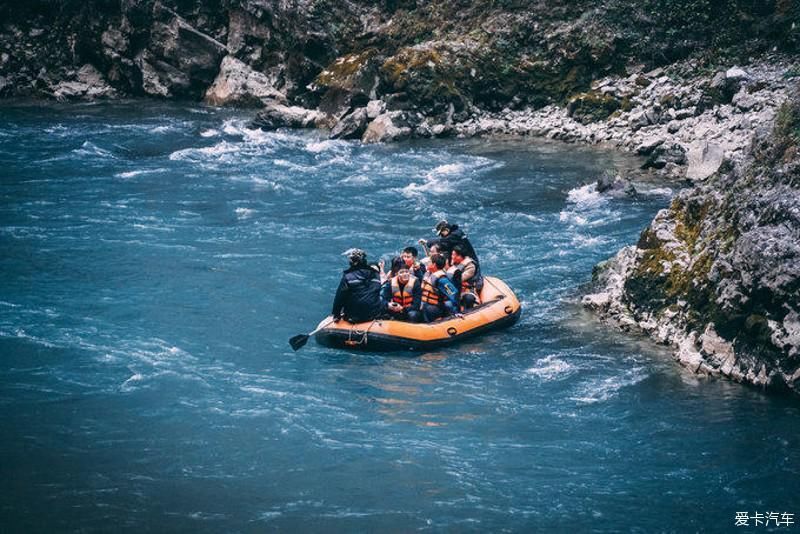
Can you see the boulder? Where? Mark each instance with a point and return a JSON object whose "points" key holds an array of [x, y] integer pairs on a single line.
{"points": [[383, 129], [179, 60], [348, 82], [88, 84], [160, 78], [592, 106], [744, 101], [736, 74], [638, 119], [614, 185], [239, 85], [648, 145], [276, 115], [351, 126], [375, 108], [704, 159], [664, 154]]}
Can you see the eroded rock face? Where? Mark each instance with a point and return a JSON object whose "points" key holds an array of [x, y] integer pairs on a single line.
{"points": [[88, 84], [239, 85], [386, 127], [704, 159], [351, 126], [718, 274], [180, 60]]}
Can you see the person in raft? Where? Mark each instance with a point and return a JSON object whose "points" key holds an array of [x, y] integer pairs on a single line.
{"points": [[466, 274], [402, 296], [439, 295], [450, 235], [358, 297], [409, 257]]}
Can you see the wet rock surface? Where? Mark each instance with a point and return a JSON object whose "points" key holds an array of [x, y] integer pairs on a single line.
{"points": [[717, 275]]}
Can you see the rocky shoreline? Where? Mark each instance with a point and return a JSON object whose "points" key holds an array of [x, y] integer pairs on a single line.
{"points": [[717, 274]]}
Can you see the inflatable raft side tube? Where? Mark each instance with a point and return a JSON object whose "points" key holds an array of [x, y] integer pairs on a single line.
{"points": [[381, 342]]}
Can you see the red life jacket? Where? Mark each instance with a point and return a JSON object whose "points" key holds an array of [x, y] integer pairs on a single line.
{"points": [[404, 296]]}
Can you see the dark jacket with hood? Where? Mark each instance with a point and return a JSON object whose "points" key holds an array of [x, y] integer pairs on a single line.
{"points": [[455, 237], [358, 297]]}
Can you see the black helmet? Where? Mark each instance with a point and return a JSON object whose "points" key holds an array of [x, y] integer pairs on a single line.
{"points": [[356, 256], [440, 226]]}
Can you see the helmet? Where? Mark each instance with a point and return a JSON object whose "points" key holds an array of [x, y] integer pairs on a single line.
{"points": [[355, 255], [441, 225]]}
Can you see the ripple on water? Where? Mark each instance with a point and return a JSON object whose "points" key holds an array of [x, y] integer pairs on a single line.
{"points": [[601, 389], [551, 368]]}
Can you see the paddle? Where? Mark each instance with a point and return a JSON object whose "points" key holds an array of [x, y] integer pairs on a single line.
{"points": [[298, 342]]}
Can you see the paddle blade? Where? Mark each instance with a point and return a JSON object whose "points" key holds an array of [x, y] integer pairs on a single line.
{"points": [[298, 341]]}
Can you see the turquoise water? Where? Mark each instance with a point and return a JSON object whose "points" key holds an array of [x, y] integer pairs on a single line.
{"points": [[156, 258]]}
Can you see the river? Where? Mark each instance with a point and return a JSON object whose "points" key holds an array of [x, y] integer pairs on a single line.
{"points": [[157, 257]]}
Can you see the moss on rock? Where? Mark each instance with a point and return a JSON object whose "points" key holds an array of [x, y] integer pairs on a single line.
{"points": [[592, 106]]}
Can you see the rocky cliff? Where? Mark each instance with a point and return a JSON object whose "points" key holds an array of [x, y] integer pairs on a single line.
{"points": [[397, 68], [717, 275]]}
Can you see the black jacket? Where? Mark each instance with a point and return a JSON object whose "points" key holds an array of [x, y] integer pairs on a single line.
{"points": [[358, 297], [455, 237]]}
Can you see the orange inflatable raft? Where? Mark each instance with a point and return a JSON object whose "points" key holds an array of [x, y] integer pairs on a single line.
{"points": [[499, 309]]}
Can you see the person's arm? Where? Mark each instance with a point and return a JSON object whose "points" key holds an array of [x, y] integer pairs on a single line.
{"points": [[338, 300], [425, 245], [468, 272]]}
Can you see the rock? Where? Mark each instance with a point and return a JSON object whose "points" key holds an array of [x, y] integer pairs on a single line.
{"points": [[239, 85], [441, 130], [723, 260], [592, 106], [736, 74], [383, 129], [673, 126], [718, 81], [275, 116], [744, 101], [244, 27], [663, 154], [653, 115], [114, 42], [160, 78], [179, 59], [351, 126], [88, 84], [614, 185], [704, 159], [375, 108], [348, 82], [638, 119], [648, 145]]}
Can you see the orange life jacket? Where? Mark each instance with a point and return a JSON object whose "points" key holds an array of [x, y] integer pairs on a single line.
{"points": [[404, 296], [430, 293], [468, 285]]}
